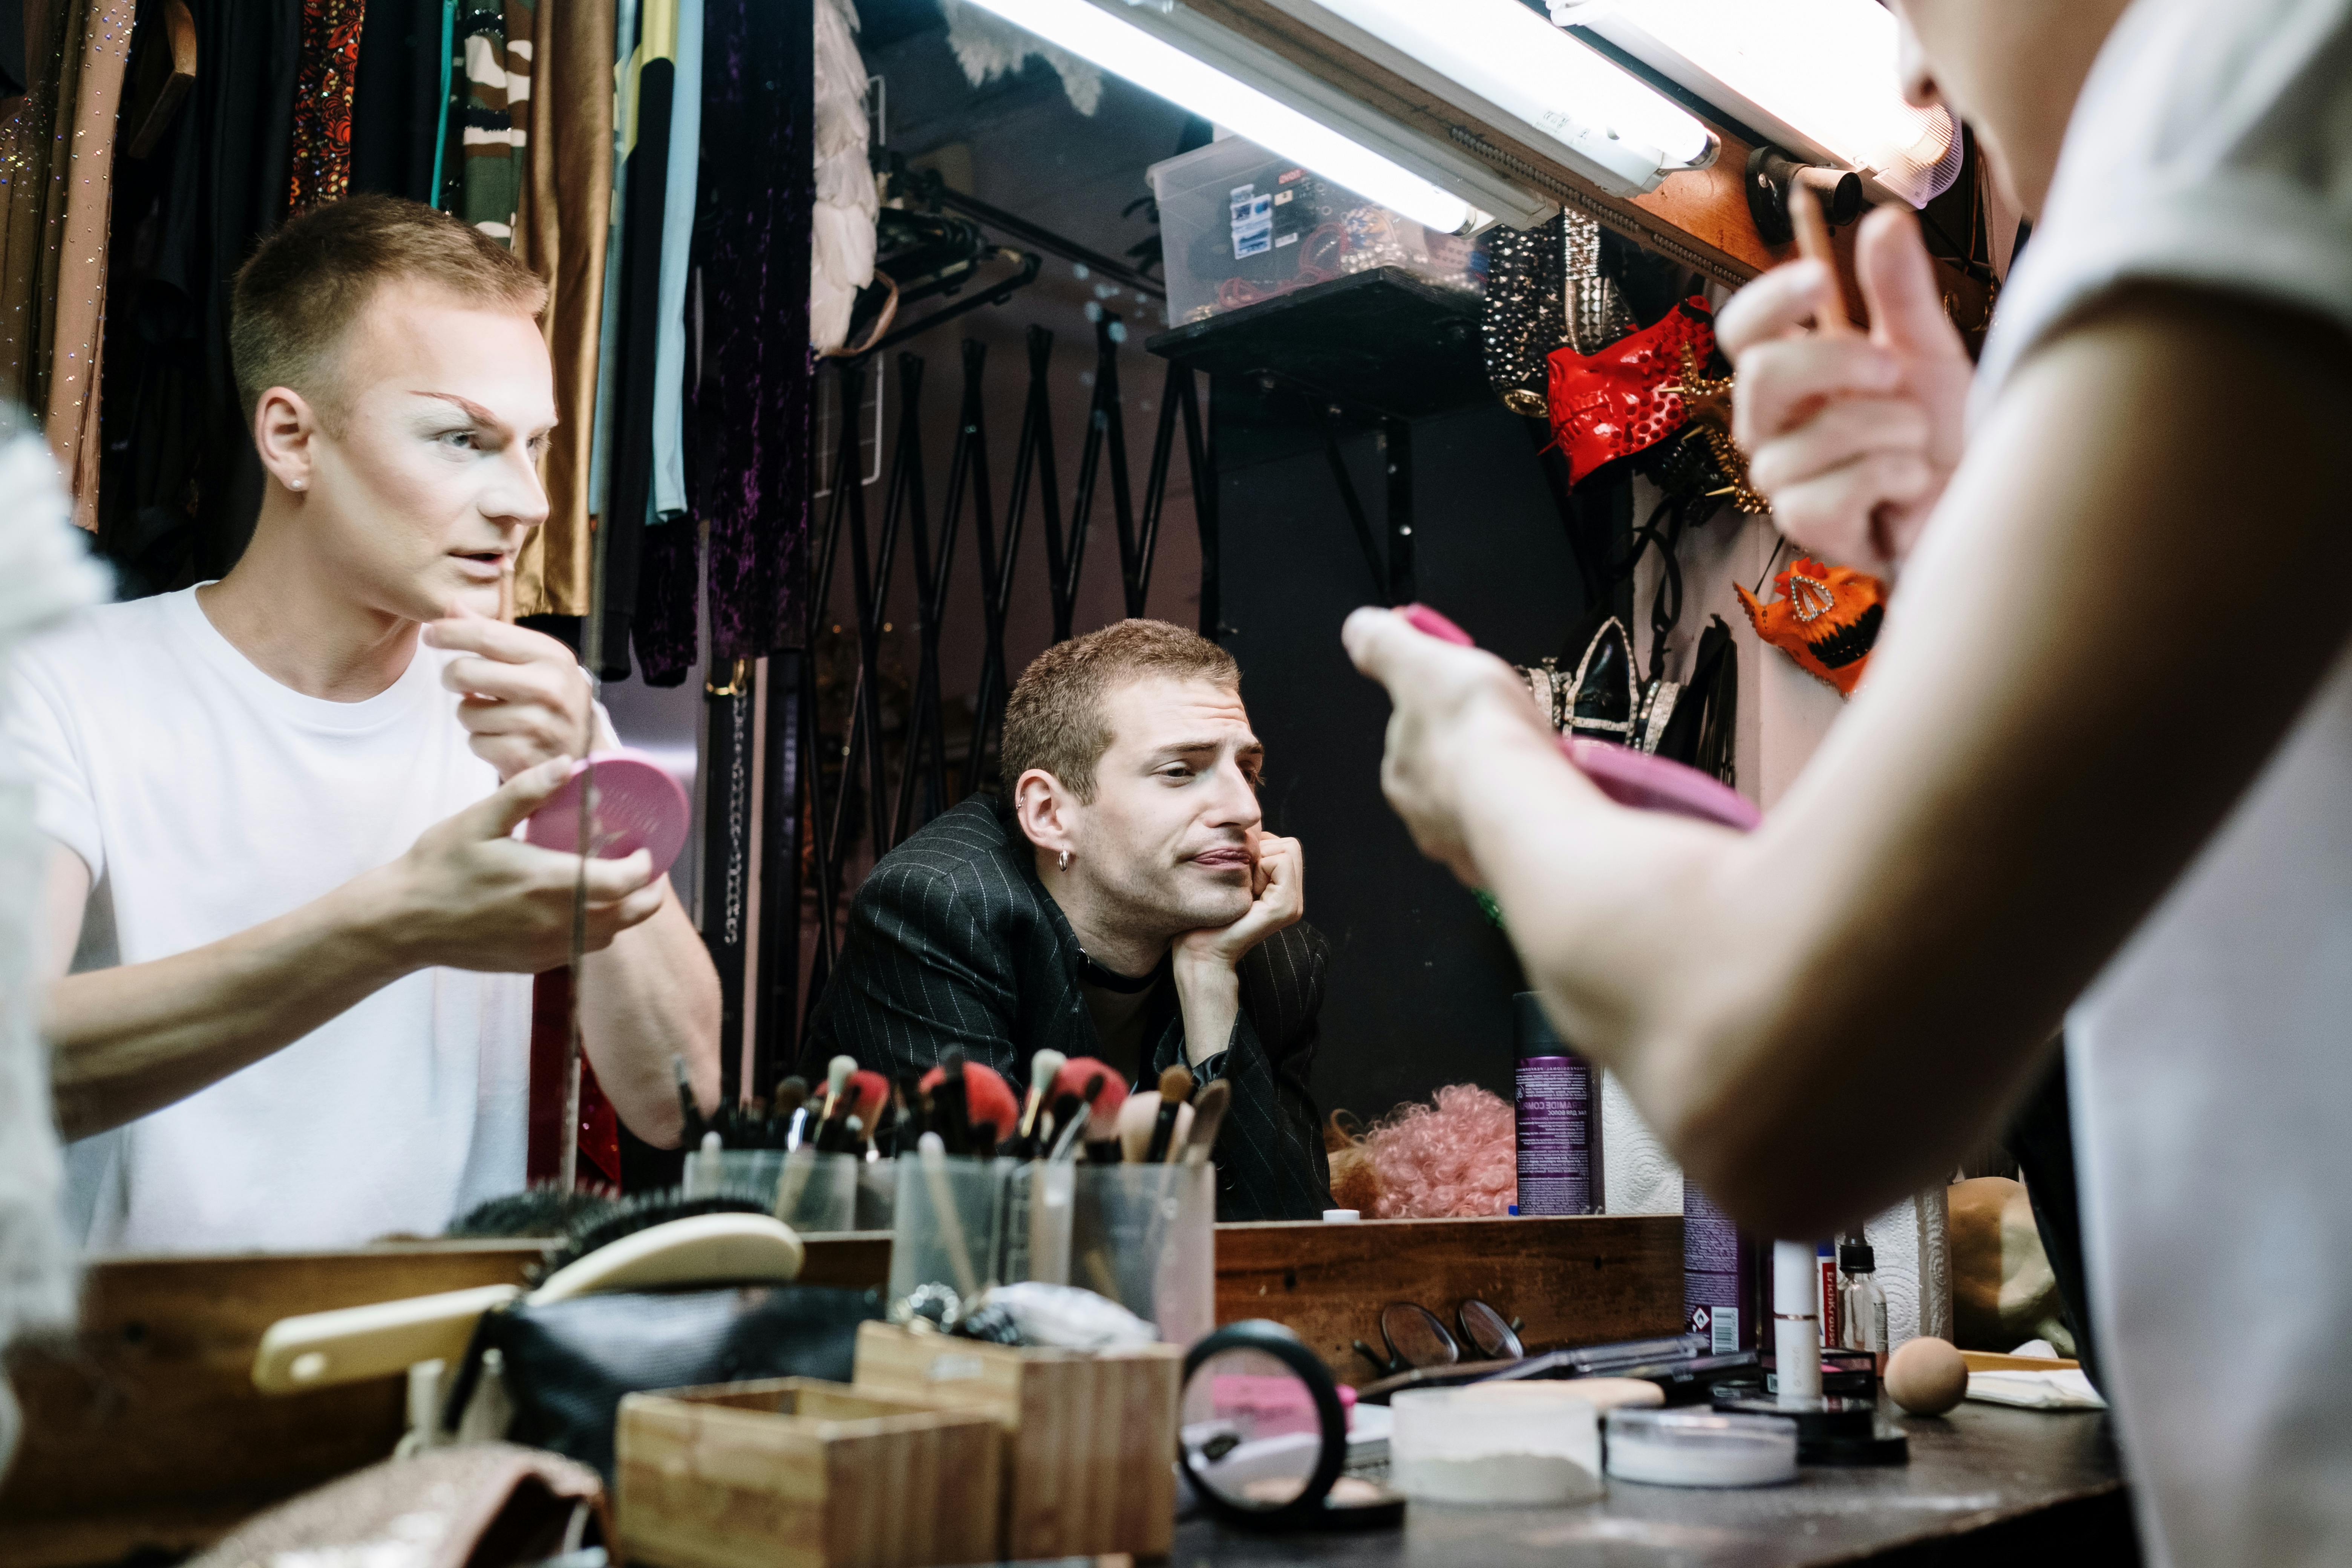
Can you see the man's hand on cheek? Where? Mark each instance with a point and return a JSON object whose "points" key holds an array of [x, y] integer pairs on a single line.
{"points": [[524, 697], [1278, 898]]}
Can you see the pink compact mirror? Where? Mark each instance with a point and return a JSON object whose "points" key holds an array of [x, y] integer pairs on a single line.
{"points": [[1626, 776], [637, 805]]}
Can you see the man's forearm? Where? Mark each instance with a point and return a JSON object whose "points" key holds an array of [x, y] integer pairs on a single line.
{"points": [[1209, 995], [651, 996], [1828, 1012], [130, 1040]]}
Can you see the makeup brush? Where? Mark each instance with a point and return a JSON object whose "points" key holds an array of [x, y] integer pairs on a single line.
{"points": [[987, 1100], [943, 1086], [1139, 1119], [1175, 1090], [1813, 245], [907, 1098], [688, 1108], [869, 1091], [1209, 1117], [836, 1079], [1102, 1121], [1072, 1112], [1044, 1068]]}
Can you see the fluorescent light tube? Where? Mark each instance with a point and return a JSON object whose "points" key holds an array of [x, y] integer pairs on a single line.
{"points": [[1561, 89], [1157, 65], [1819, 77]]}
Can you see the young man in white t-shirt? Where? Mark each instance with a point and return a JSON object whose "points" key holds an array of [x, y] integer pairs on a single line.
{"points": [[2102, 768], [300, 929]]}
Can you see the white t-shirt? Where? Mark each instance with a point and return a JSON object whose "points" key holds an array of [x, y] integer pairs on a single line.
{"points": [[2211, 1063], [207, 798]]}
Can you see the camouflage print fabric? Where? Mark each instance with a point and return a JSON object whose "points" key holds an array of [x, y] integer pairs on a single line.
{"points": [[489, 112]]}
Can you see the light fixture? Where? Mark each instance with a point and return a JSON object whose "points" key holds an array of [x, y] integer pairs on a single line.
{"points": [[1504, 63], [1155, 63], [1817, 77]]}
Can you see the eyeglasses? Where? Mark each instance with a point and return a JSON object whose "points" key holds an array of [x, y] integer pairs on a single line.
{"points": [[1417, 1337]]}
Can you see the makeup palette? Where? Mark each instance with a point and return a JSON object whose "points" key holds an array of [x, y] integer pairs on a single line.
{"points": [[636, 805]]}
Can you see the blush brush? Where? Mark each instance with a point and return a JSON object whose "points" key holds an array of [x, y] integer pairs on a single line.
{"points": [[1175, 1092]]}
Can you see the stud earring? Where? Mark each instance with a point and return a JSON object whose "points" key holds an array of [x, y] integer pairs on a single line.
{"points": [[1064, 864]]}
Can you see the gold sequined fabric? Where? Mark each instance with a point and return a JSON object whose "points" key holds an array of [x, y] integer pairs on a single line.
{"points": [[56, 161]]}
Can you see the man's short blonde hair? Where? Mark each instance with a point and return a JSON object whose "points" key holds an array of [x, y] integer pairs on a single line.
{"points": [[295, 300], [1055, 721]]}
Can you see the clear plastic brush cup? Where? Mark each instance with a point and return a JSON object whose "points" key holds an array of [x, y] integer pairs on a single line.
{"points": [[949, 1226], [806, 1190], [877, 1195], [1143, 1236]]}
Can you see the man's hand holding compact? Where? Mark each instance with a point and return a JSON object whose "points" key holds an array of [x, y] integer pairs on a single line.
{"points": [[471, 895]]}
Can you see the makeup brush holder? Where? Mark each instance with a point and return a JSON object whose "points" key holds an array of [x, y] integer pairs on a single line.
{"points": [[877, 1195], [806, 1190], [947, 1225], [1144, 1236]]}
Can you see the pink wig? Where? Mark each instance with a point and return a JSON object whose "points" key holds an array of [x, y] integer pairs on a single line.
{"points": [[1456, 1157]]}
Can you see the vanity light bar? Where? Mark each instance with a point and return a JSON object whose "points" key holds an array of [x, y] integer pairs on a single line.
{"points": [[1172, 54], [1820, 78], [1505, 65]]}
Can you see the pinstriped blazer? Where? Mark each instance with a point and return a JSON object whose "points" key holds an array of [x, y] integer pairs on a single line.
{"points": [[953, 941]]}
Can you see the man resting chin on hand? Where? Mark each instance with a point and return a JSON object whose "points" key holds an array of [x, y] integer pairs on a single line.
{"points": [[1122, 901]]}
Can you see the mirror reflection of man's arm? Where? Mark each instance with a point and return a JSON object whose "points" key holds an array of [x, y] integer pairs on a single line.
{"points": [[2132, 587], [652, 995], [130, 1040], [1271, 1127]]}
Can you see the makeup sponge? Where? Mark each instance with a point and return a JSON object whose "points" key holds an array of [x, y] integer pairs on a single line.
{"points": [[1927, 1376]]}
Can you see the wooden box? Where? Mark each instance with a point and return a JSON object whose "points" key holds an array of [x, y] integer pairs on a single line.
{"points": [[1089, 1440], [802, 1473]]}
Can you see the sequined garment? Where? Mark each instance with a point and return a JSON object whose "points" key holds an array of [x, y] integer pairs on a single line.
{"points": [[322, 103], [751, 414], [1545, 290]]}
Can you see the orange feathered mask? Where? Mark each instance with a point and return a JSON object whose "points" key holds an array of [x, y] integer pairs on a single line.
{"points": [[1826, 618]]}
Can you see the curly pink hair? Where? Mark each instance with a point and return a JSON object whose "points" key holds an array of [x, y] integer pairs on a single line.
{"points": [[1458, 1156]]}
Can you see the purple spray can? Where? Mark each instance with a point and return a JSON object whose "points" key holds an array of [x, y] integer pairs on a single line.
{"points": [[1558, 1118]]}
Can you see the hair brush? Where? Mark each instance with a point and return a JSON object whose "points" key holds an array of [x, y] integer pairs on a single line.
{"points": [[635, 1244]]}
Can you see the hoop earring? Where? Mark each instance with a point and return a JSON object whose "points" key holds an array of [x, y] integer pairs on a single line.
{"points": [[1064, 864]]}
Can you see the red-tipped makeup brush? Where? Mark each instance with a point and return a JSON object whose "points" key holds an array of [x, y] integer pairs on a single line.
{"points": [[988, 1102]]}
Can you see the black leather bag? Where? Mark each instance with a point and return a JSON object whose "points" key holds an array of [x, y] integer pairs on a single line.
{"points": [[566, 1364]]}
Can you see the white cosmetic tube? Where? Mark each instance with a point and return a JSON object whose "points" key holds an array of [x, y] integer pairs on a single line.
{"points": [[1797, 1323]]}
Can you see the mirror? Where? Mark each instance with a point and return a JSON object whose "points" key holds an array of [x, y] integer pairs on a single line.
{"points": [[1267, 1442]]}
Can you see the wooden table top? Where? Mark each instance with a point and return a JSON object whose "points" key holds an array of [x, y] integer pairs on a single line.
{"points": [[1996, 1483]]}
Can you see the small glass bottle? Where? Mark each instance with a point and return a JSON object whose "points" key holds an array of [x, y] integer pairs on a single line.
{"points": [[1865, 1302]]}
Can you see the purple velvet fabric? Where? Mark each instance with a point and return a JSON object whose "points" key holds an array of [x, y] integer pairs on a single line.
{"points": [[752, 242]]}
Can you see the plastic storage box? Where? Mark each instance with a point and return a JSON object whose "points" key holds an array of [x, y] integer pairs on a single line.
{"points": [[1239, 225]]}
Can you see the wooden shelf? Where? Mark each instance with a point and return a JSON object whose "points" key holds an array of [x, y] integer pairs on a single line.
{"points": [[1383, 340]]}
